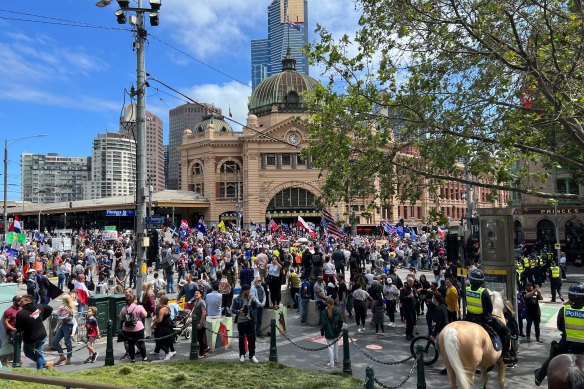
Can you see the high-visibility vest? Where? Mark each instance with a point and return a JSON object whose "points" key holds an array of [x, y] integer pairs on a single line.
{"points": [[519, 268], [526, 263], [550, 256], [541, 260], [474, 302], [574, 323], [555, 271], [533, 262]]}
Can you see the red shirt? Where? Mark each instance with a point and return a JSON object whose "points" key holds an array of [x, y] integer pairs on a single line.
{"points": [[10, 314]]}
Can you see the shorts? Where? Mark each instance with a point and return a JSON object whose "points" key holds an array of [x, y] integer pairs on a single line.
{"points": [[90, 339]]}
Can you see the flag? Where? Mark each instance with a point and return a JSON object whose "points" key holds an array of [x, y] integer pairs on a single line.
{"points": [[12, 237], [273, 226], [440, 233], [301, 223], [221, 226], [282, 238], [184, 224], [15, 225], [82, 292], [285, 228], [330, 226], [201, 226], [400, 231], [38, 237], [230, 114], [172, 229]]}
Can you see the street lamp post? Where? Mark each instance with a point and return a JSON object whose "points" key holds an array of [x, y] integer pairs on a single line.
{"points": [[8, 142], [137, 20]]}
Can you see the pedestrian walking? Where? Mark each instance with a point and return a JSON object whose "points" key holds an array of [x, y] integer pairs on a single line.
{"points": [[331, 325], [133, 328], [532, 296], [29, 321], [242, 309], [65, 329]]}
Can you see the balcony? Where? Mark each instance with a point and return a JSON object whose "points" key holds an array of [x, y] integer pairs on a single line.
{"points": [[569, 202]]}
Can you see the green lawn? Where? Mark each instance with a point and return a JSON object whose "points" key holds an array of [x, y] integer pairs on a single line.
{"points": [[207, 374]]}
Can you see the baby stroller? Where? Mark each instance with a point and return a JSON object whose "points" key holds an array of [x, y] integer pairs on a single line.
{"points": [[182, 324]]}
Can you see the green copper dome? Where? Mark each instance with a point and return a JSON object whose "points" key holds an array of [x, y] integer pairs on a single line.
{"points": [[281, 90], [215, 121]]}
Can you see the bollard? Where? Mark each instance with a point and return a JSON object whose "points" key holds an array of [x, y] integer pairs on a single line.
{"points": [[369, 374], [17, 347], [194, 355], [346, 354], [420, 365], [109, 348], [273, 348]]}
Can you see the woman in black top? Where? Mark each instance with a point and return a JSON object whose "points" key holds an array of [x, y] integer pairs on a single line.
{"points": [[164, 329], [423, 290]]}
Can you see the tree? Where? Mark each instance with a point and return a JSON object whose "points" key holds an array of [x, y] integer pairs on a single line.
{"points": [[426, 85]]}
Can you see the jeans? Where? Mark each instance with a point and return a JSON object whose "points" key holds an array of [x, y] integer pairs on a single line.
{"points": [[64, 332], [170, 283], [303, 309], [294, 294], [35, 352], [61, 284], [333, 351], [360, 312], [257, 314]]}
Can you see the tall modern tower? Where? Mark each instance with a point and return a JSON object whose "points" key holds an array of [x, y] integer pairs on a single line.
{"points": [[154, 144], [287, 27], [183, 117]]}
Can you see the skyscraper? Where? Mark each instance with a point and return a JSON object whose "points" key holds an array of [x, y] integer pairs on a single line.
{"points": [[154, 144], [183, 117], [113, 166], [53, 178], [287, 27]]}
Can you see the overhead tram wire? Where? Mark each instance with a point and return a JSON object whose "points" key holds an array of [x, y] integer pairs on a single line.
{"points": [[198, 60], [85, 24], [64, 24], [225, 117]]}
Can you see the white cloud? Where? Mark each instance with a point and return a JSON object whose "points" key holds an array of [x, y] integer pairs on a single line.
{"points": [[231, 94]]}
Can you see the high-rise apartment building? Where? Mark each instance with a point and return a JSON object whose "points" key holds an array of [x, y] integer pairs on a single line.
{"points": [[113, 166], [53, 178], [154, 144], [183, 117], [287, 27]]}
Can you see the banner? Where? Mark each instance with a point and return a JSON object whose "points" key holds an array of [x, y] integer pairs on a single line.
{"points": [[109, 235], [109, 228]]}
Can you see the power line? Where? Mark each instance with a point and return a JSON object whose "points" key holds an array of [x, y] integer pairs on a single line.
{"points": [[52, 18], [65, 24], [198, 60], [225, 117]]}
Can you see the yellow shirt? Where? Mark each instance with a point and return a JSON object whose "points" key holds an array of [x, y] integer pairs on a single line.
{"points": [[452, 299]]}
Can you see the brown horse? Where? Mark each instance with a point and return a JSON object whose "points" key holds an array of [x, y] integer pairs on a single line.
{"points": [[464, 346], [566, 371]]}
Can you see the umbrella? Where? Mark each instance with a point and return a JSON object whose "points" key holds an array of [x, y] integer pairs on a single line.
{"points": [[302, 240], [168, 261]]}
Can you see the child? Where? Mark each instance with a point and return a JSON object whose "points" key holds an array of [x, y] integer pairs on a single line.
{"points": [[92, 331], [379, 314]]}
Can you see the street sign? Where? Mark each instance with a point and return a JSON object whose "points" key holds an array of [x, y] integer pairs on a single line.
{"points": [[154, 219], [557, 246], [120, 212], [109, 228]]}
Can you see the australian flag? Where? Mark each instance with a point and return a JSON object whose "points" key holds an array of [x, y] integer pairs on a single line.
{"points": [[201, 226]]}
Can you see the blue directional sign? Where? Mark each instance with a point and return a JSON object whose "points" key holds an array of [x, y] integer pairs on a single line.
{"points": [[154, 219], [120, 212]]}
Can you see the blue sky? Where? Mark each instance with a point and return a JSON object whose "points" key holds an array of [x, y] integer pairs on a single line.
{"points": [[68, 82]]}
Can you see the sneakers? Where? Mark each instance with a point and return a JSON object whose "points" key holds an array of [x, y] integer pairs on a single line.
{"points": [[167, 357], [363, 328], [392, 324], [561, 299], [125, 357], [254, 359], [242, 358], [330, 366], [163, 357], [89, 360], [94, 357], [359, 329], [172, 353]]}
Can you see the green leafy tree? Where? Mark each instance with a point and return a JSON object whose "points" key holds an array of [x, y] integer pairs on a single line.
{"points": [[425, 85]]}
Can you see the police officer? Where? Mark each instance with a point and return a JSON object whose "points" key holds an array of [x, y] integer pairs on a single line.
{"points": [[570, 323], [519, 272], [554, 273], [479, 309]]}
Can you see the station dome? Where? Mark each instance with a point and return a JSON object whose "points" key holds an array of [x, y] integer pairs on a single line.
{"points": [[213, 122]]}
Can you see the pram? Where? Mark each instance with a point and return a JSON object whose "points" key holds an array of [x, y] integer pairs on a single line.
{"points": [[182, 324]]}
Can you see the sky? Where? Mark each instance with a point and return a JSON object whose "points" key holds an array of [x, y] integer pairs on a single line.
{"points": [[69, 82]]}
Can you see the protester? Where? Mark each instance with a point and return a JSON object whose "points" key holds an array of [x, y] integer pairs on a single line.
{"points": [[29, 321], [65, 329], [199, 318], [331, 324], [164, 329], [242, 309], [9, 317], [133, 328]]}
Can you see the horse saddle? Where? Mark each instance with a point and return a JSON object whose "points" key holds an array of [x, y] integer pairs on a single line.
{"points": [[495, 338]]}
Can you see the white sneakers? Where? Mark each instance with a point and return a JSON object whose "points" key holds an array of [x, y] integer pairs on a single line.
{"points": [[242, 358], [391, 324], [167, 357], [358, 329], [254, 359]]}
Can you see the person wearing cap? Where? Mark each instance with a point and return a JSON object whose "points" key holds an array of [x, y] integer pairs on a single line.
{"points": [[570, 323], [9, 317], [391, 294]]}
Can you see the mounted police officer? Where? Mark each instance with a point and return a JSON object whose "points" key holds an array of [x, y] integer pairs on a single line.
{"points": [[479, 309], [571, 324]]}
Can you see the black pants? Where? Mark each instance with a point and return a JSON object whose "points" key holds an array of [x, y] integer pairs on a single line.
{"points": [[563, 347], [133, 341], [202, 339], [294, 294], [410, 318], [390, 307], [360, 312], [165, 344], [556, 285], [452, 316], [532, 319], [275, 290], [246, 329], [226, 300]]}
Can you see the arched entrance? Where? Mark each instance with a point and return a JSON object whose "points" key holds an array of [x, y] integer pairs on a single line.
{"points": [[288, 204], [518, 229], [546, 234], [574, 239]]}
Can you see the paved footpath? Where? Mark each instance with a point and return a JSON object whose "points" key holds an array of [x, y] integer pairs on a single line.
{"points": [[390, 348]]}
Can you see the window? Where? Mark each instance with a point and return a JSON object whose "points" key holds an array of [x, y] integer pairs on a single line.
{"points": [[286, 160], [229, 167], [271, 159], [228, 190], [567, 185], [300, 159], [197, 169]]}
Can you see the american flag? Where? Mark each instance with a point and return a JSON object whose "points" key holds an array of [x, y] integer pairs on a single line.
{"points": [[330, 225]]}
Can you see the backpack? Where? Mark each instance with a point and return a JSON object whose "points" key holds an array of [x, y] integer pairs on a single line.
{"points": [[130, 319]]}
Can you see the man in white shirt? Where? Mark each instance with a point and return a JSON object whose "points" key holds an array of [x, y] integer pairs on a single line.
{"points": [[562, 264]]}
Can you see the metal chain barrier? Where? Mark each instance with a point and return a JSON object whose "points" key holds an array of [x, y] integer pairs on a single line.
{"points": [[378, 360], [308, 348], [235, 336], [401, 383]]}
